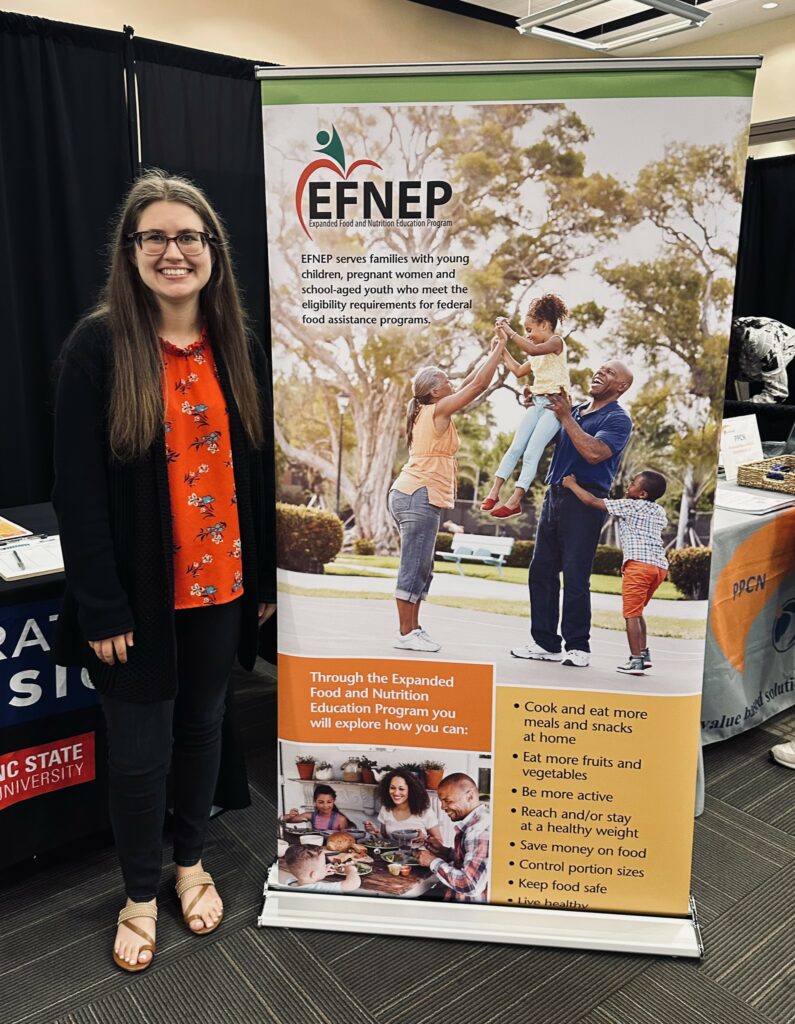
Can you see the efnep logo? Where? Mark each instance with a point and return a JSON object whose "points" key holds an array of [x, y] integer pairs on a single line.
{"points": [[394, 200]]}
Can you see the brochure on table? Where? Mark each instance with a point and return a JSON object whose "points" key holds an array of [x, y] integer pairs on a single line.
{"points": [[407, 209], [740, 444]]}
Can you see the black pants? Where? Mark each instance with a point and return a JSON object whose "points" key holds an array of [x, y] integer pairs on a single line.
{"points": [[566, 540], [144, 740]]}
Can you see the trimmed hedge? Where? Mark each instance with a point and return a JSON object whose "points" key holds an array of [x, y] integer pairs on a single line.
{"points": [[521, 554], [307, 537], [444, 542], [364, 546], [688, 569], [607, 561]]}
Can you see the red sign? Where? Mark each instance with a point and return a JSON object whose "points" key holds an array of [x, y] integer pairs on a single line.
{"points": [[37, 770]]}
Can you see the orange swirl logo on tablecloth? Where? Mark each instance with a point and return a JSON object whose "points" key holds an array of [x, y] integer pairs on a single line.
{"points": [[748, 581]]}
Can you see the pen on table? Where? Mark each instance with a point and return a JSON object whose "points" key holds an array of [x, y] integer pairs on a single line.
{"points": [[19, 560]]}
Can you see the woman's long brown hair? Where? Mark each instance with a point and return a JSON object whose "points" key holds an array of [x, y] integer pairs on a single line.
{"points": [[136, 408]]}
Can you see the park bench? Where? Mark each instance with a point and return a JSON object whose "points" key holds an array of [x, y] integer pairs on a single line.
{"points": [[475, 547]]}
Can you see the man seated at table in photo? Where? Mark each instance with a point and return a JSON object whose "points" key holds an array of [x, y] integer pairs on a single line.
{"points": [[462, 869], [308, 865]]}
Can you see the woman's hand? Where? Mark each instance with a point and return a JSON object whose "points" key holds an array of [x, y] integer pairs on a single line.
{"points": [[112, 648], [370, 827], [264, 612]]}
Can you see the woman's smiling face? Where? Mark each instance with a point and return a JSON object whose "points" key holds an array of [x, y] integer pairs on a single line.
{"points": [[175, 279], [398, 791]]}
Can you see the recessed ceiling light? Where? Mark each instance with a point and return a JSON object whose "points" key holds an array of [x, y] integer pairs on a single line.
{"points": [[768, 7]]}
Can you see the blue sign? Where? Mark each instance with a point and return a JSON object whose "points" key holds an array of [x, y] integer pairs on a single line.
{"points": [[32, 686]]}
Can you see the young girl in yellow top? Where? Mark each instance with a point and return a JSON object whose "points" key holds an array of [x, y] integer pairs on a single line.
{"points": [[539, 425]]}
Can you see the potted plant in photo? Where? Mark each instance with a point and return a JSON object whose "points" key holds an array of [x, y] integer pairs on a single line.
{"points": [[323, 771], [351, 769], [415, 768], [367, 770], [305, 763], [379, 773], [434, 773]]}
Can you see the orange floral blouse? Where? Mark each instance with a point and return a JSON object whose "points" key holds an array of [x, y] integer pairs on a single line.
{"points": [[206, 530]]}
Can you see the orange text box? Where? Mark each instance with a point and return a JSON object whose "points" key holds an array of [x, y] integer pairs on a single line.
{"points": [[444, 704]]}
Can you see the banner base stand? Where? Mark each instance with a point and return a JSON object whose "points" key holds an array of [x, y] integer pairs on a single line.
{"points": [[472, 922]]}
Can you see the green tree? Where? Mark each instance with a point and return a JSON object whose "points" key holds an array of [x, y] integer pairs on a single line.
{"points": [[675, 309]]}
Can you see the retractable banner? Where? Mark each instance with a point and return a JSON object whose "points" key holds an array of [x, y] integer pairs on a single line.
{"points": [[500, 301]]}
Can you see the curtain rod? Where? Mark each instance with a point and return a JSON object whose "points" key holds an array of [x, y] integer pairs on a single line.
{"points": [[513, 67]]}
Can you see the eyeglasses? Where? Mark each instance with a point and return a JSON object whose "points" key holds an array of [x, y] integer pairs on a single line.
{"points": [[155, 243]]}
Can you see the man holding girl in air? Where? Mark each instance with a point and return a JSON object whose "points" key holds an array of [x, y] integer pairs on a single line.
{"points": [[589, 446]]}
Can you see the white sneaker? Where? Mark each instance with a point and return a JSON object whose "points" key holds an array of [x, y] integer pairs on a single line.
{"points": [[577, 659], [784, 753], [534, 652], [436, 647], [416, 640]]}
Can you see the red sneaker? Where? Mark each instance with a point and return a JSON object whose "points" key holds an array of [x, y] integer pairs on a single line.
{"points": [[488, 504], [505, 512]]}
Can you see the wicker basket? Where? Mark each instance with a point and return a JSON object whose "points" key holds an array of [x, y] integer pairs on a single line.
{"points": [[754, 474]]}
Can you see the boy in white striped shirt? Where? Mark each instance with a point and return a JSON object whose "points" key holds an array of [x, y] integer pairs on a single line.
{"points": [[641, 522]]}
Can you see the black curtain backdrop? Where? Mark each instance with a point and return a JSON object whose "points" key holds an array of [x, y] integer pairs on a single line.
{"points": [[64, 164], [201, 116], [766, 259], [765, 276]]}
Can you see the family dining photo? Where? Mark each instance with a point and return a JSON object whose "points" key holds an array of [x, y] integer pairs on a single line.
{"points": [[524, 476], [354, 823]]}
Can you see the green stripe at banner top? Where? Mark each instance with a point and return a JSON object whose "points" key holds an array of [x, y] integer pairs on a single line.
{"points": [[481, 88]]}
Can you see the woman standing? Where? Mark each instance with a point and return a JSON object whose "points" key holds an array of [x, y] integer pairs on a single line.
{"points": [[427, 484], [165, 499]]}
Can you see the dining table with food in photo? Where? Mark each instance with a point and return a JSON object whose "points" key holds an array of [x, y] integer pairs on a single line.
{"points": [[386, 868]]}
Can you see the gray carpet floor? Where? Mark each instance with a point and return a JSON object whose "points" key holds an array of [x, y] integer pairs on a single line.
{"points": [[57, 928]]}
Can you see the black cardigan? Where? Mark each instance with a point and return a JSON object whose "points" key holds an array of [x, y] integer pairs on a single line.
{"points": [[115, 525]]}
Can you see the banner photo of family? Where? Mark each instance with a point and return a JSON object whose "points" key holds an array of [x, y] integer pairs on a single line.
{"points": [[499, 328]]}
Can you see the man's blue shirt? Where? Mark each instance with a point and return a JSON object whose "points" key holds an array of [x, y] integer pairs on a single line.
{"points": [[610, 424]]}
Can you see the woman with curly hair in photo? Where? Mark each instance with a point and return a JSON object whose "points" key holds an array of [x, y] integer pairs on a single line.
{"points": [[405, 804]]}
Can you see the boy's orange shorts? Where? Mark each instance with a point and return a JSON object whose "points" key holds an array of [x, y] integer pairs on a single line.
{"points": [[641, 579]]}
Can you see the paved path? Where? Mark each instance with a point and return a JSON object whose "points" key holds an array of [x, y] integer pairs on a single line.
{"points": [[453, 585], [329, 627]]}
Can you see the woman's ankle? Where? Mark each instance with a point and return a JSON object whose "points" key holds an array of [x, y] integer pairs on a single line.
{"points": [[184, 869]]}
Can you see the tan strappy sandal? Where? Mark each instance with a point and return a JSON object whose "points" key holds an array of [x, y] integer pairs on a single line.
{"points": [[205, 880], [125, 914]]}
